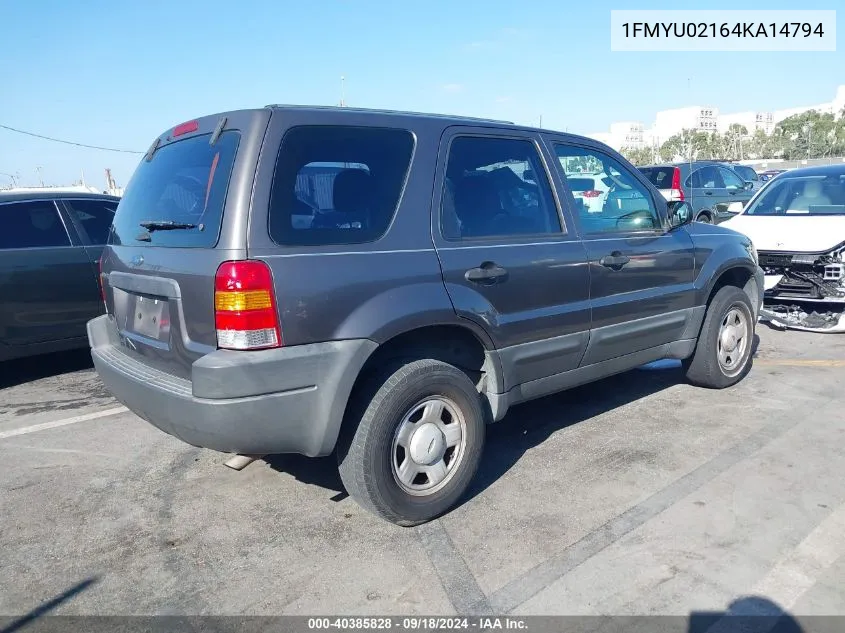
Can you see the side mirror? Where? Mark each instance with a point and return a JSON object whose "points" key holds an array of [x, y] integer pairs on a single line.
{"points": [[680, 213], [528, 174], [735, 207], [749, 185]]}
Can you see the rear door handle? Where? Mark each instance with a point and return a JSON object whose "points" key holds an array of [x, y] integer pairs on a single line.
{"points": [[708, 193], [615, 260], [487, 274]]}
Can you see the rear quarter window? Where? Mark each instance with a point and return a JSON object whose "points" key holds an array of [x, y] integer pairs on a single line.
{"points": [[184, 182], [337, 184], [93, 217]]}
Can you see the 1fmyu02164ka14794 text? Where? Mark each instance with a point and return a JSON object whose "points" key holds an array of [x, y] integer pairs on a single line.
{"points": [[723, 31]]}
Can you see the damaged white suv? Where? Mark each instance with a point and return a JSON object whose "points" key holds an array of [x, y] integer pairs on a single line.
{"points": [[797, 224]]}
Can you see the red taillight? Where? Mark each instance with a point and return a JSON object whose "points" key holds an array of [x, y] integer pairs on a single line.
{"points": [[101, 281], [677, 192], [245, 313], [185, 128], [592, 193]]}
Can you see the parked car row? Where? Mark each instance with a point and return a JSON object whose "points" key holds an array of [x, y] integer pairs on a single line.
{"points": [[709, 187], [766, 176], [797, 222], [49, 251], [380, 286]]}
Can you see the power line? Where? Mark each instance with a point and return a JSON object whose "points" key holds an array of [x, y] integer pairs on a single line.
{"points": [[58, 140]]}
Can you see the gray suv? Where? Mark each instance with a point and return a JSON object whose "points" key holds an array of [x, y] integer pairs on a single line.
{"points": [[708, 186], [381, 285]]}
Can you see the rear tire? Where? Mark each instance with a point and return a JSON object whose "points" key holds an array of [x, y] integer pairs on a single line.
{"points": [[704, 218], [414, 441], [722, 356]]}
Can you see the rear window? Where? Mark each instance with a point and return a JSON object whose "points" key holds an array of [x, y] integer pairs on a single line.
{"points": [[660, 177], [338, 185], [184, 183]]}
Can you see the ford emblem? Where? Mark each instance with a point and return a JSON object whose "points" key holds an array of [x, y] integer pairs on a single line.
{"points": [[137, 260]]}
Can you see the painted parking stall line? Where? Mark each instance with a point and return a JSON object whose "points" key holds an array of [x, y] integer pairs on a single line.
{"points": [[59, 423], [798, 362]]}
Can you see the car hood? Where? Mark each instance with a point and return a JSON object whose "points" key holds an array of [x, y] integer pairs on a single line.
{"points": [[795, 233]]}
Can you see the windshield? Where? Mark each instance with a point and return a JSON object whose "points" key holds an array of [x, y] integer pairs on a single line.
{"points": [[660, 177], [182, 188], [801, 195]]}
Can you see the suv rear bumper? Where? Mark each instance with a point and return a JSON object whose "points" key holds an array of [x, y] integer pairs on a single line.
{"points": [[286, 400]]}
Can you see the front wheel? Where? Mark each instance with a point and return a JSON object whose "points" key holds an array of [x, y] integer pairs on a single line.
{"points": [[418, 443], [722, 356], [704, 218]]}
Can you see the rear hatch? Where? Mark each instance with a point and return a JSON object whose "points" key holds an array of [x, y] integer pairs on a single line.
{"points": [[184, 212], [667, 179]]}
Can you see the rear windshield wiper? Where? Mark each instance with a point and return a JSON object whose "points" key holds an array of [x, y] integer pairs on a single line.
{"points": [[166, 225]]}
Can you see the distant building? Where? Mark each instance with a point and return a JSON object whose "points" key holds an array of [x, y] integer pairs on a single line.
{"points": [[668, 123]]}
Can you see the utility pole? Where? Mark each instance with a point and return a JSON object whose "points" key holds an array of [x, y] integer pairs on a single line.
{"points": [[342, 91], [40, 179], [541, 120], [809, 138]]}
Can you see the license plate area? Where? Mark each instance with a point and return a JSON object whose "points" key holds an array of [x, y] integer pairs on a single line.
{"points": [[143, 315]]}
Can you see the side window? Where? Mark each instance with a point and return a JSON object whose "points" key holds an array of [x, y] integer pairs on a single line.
{"points": [[31, 225], [730, 179], [496, 187], [338, 185], [693, 180], [616, 201], [94, 217], [708, 178]]}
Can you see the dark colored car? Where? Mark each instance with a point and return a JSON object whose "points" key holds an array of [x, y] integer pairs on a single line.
{"points": [[748, 174], [49, 247], [767, 175], [708, 186], [381, 285]]}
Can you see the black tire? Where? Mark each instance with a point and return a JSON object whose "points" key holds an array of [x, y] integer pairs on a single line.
{"points": [[366, 451], [703, 368], [704, 218]]}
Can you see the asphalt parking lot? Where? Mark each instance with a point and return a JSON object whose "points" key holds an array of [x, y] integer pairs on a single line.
{"points": [[635, 495]]}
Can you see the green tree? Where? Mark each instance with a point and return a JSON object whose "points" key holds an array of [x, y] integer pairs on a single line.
{"points": [[837, 139], [810, 134], [759, 145], [732, 142], [680, 146], [638, 155]]}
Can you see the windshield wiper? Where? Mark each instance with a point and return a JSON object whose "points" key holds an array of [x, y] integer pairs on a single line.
{"points": [[166, 225]]}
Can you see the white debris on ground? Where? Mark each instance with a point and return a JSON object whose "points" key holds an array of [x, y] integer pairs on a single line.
{"points": [[796, 318]]}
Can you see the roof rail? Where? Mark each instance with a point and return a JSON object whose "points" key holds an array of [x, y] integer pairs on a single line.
{"points": [[385, 111]]}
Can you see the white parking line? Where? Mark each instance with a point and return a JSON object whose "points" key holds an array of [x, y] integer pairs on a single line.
{"points": [[799, 571], [57, 423], [792, 577]]}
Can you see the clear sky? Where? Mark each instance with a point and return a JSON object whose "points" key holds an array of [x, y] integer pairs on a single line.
{"points": [[118, 73]]}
